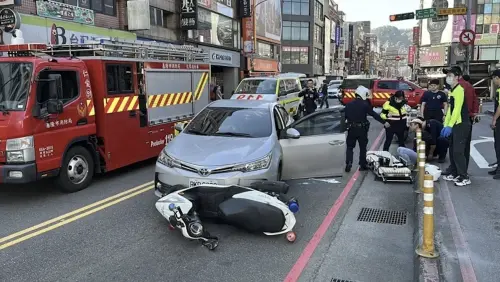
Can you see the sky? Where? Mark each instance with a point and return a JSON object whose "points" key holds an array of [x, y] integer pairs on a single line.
{"points": [[378, 11]]}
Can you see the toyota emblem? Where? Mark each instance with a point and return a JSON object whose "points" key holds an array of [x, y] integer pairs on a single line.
{"points": [[204, 172]]}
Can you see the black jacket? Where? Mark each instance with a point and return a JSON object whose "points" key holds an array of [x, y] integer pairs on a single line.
{"points": [[310, 96]]}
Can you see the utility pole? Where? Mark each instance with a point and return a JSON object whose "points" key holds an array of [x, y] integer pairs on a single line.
{"points": [[468, 51]]}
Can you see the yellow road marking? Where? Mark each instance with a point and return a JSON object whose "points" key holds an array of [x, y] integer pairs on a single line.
{"points": [[63, 219]]}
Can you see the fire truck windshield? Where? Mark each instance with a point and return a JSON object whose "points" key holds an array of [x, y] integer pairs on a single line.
{"points": [[257, 86], [15, 79]]}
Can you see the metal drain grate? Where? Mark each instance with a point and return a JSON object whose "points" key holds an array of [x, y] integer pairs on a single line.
{"points": [[340, 280], [382, 216]]}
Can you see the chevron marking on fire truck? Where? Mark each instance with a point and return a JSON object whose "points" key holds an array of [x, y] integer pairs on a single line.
{"points": [[129, 103], [382, 95], [90, 108], [163, 100], [201, 86]]}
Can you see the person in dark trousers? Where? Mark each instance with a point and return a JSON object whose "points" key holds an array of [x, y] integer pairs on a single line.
{"points": [[435, 145], [324, 98], [434, 102], [358, 125], [494, 123], [457, 127], [394, 112], [472, 106], [310, 95]]}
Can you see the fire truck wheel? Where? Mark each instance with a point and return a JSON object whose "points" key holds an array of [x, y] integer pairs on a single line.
{"points": [[77, 170]]}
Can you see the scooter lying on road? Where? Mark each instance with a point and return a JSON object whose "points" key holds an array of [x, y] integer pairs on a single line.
{"points": [[262, 207]]}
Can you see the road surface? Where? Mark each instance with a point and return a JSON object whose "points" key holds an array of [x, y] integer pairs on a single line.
{"points": [[126, 239]]}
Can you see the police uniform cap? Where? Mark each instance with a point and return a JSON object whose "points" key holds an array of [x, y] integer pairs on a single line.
{"points": [[457, 71], [496, 73], [399, 94]]}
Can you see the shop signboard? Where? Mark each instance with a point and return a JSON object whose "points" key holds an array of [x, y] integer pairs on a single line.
{"points": [[9, 20], [189, 15], [57, 10], [44, 30], [433, 56]]}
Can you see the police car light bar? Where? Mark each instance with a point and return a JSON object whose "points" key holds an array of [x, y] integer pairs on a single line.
{"points": [[23, 47]]}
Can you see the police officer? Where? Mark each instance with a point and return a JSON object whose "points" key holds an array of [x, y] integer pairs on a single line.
{"points": [[495, 125], [358, 125], [310, 95], [394, 112], [433, 102]]}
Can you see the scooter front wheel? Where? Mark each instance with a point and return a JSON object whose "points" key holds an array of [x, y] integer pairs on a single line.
{"points": [[291, 236]]}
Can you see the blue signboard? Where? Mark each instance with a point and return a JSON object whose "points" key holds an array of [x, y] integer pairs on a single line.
{"points": [[338, 32]]}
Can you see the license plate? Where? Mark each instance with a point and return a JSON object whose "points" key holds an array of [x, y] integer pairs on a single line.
{"points": [[198, 182]]}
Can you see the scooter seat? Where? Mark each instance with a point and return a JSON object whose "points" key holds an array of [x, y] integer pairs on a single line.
{"points": [[277, 187]]}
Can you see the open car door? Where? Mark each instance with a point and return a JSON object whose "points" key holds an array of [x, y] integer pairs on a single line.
{"points": [[319, 150]]}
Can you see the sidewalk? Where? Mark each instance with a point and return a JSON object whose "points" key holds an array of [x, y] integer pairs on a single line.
{"points": [[375, 240]]}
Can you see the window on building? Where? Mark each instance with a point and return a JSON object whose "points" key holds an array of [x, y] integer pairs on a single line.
{"points": [[295, 30], [318, 57], [158, 16], [295, 55], [119, 78], [296, 7], [266, 50], [216, 29], [318, 34], [107, 7], [318, 10]]}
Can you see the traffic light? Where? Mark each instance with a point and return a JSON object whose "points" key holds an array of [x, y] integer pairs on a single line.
{"points": [[402, 17]]}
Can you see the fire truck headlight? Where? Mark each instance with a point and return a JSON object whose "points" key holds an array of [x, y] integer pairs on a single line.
{"points": [[20, 150]]}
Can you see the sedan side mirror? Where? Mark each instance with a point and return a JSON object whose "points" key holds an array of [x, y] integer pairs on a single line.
{"points": [[411, 89], [292, 133], [179, 126]]}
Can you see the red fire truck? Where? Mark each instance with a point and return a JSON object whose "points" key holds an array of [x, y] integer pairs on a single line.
{"points": [[74, 110]]}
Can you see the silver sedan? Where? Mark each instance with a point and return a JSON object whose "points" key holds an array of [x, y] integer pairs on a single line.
{"points": [[240, 142]]}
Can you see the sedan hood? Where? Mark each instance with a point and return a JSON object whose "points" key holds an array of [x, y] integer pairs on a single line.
{"points": [[218, 150]]}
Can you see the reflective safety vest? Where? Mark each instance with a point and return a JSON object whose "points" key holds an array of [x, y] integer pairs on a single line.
{"points": [[392, 113]]}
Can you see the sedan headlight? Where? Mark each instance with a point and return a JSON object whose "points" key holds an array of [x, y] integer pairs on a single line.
{"points": [[20, 150], [165, 159], [256, 165]]}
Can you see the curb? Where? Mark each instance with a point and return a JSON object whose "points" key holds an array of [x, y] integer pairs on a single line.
{"points": [[425, 270]]}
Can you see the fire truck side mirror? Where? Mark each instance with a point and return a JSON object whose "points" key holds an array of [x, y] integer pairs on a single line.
{"points": [[54, 104]]}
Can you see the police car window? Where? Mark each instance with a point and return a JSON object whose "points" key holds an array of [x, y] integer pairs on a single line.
{"points": [[290, 86], [404, 86], [392, 85], [284, 115], [256, 86], [282, 90], [324, 123]]}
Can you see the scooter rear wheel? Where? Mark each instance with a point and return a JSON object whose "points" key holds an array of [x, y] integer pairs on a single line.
{"points": [[291, 236]]}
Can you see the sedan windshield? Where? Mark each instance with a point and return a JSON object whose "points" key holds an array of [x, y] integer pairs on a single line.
{"points": [[231, 122], [15, 79], [257, 86]]}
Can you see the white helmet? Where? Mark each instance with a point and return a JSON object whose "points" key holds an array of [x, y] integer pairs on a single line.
{"points": [[362, 92]]}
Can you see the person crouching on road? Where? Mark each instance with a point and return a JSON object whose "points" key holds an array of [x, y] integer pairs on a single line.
{"points": [[310, 95], [434, 144], [433, 102], [358, 125], [457, 126], [494, 122], [394, 112]]}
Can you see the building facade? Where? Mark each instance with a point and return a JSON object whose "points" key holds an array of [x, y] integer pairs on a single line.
{"points": [[303, 40]]}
